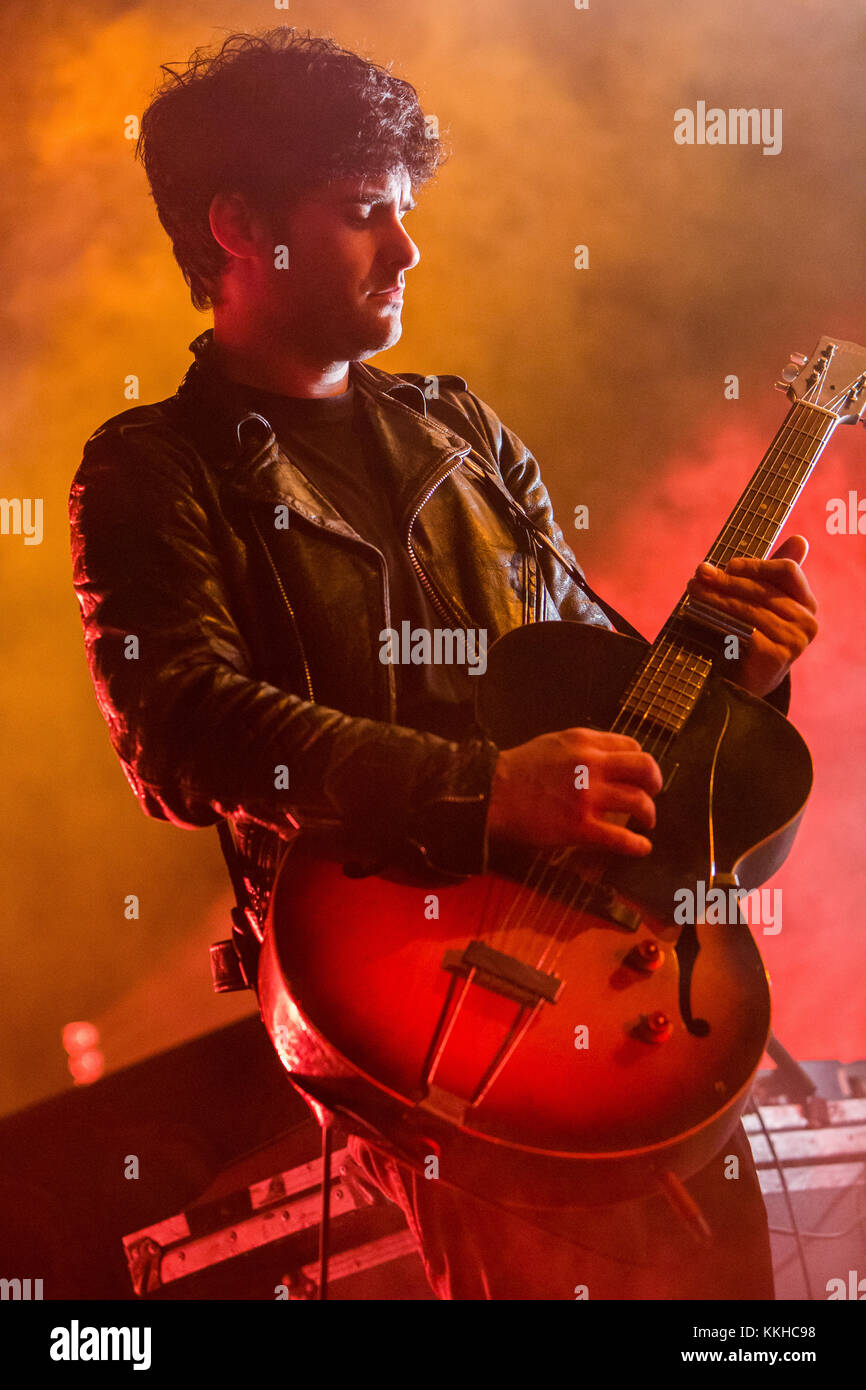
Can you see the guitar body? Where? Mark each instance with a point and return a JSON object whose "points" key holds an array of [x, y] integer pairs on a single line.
{"points": [[638, 1035]]}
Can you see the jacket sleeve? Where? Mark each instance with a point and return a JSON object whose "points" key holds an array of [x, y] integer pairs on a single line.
{"points": [[197, 734]]}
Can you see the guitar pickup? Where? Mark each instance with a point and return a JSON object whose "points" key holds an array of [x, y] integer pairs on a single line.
{"points": [[503, 974]]}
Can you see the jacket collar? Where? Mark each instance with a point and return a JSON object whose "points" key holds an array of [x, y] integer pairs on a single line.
{"points": [[414, 447]]}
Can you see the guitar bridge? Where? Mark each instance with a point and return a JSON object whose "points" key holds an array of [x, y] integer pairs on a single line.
{"points": [[479, 964], [503, 974]]}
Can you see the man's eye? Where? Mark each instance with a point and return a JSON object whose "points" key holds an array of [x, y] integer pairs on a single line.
{"points": [[363, 212]]}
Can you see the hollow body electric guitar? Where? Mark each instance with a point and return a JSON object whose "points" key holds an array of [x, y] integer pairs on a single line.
{"points": [[561, 1031]]}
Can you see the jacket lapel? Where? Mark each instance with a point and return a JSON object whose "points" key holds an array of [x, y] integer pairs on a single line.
{"points": [[413, 448]]}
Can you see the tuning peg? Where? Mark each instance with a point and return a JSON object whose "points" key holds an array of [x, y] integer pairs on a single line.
{"points": [[796, 363], [781, 385]]}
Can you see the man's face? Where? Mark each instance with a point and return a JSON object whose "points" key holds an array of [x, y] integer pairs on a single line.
{"points": [[341, 296]]}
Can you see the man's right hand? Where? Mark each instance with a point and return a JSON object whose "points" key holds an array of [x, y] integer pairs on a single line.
{"points": [[539, 797]]}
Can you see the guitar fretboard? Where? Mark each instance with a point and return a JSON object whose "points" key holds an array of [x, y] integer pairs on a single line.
{"points": [[782, 474], [665, 688]]}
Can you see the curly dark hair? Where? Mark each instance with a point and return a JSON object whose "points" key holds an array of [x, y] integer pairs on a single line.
{"points": [[271, 116]]}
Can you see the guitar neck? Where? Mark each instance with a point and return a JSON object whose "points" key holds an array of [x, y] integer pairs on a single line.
{"points": [[666, 686], [770, 497]]}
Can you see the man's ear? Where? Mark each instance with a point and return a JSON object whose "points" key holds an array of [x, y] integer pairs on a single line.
{"points": [[237, 228]]}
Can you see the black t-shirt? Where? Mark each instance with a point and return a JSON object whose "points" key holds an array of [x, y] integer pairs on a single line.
{"points": [[329, 438]]}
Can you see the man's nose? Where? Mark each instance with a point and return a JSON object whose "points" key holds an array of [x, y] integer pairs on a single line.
{"points": [[401, 250]]}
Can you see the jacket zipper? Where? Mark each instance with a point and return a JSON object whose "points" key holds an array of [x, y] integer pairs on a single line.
{"points": [[416, 565], [530, 559], [392, 693]]}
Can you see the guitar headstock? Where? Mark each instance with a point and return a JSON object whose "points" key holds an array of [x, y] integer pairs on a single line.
{"points": [[834, 377]]}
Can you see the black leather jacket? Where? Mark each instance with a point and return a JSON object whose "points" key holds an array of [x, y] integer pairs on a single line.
{"points": [[230, 654]]}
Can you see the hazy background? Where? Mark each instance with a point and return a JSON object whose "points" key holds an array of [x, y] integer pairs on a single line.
{"points": [[704, 261]]}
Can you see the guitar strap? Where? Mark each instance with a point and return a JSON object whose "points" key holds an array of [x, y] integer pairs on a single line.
{"points": [[246, 931], [620, 623], [536, 534]]}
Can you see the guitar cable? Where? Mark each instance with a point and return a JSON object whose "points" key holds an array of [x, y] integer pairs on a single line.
{"points": [[786, 1193], [794, 1229]]}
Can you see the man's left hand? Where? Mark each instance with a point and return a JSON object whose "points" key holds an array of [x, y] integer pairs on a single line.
{"points": [[773, 597]]}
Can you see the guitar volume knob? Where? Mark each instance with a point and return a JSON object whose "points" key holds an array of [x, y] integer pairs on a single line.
{"points": [[654, 1028], [646, 956]]}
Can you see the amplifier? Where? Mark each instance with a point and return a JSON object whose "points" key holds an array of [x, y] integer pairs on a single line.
{"points": [[811, 1161]]}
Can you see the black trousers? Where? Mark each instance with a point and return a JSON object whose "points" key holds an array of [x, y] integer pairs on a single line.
{"points": [[631, 1250]]}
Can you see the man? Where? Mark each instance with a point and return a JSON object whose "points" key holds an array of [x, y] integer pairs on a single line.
{"points": [[241, 549]]}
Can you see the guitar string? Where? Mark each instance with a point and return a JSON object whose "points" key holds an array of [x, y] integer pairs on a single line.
{"points": [[657, 745], [643, 684]]}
